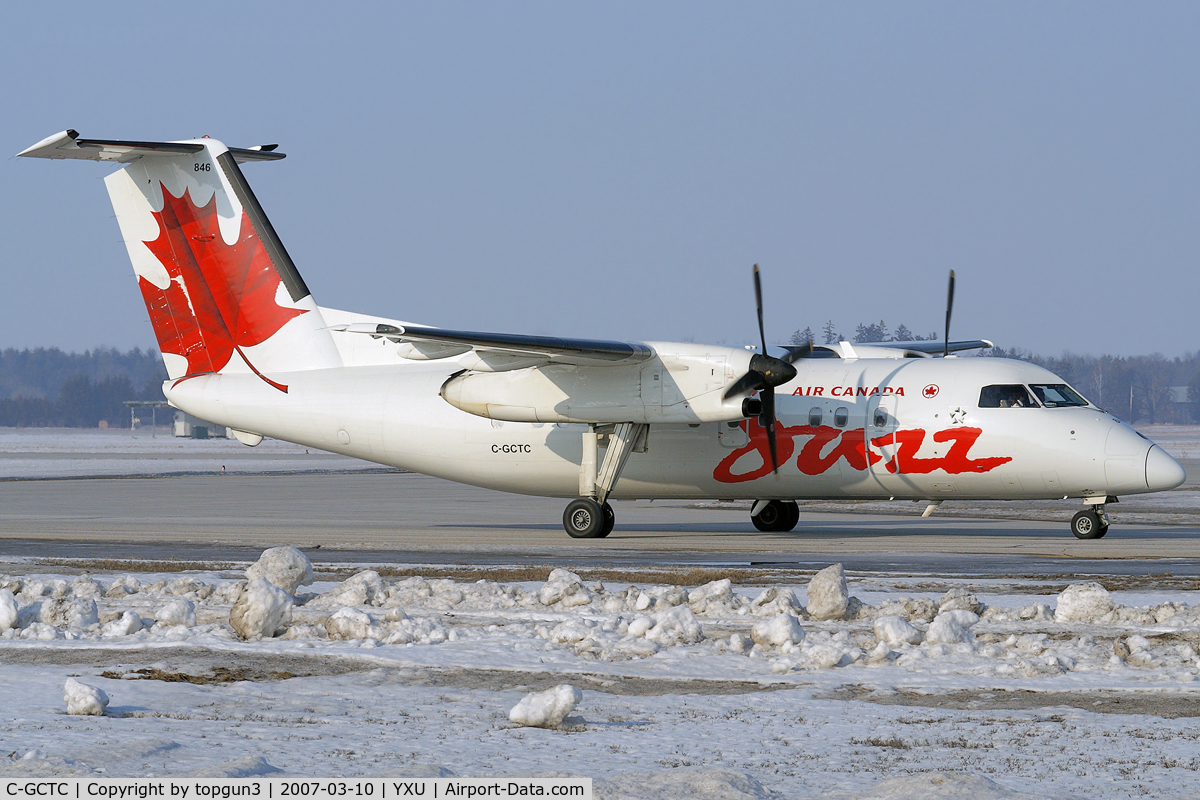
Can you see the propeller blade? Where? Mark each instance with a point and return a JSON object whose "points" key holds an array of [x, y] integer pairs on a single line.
{"points": [[762, 337], [767, 420], [797, 352], [949, 307], [747, 383], [765, 373]]}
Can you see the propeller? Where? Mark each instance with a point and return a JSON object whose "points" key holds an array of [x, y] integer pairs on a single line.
{"points": [[766, 372], [949, 306]]}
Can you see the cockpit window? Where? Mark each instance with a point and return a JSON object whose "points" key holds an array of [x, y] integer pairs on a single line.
{"points": [[1057, 395], [1006, 395]]}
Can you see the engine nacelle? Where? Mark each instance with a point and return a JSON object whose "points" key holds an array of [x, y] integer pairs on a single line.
{"points": [[683, 383]]}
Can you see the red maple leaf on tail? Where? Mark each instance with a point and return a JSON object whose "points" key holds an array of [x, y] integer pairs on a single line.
{"points": [[221, 297]]}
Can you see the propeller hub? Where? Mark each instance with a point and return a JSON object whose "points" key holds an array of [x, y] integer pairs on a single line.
{"points": [[774, 371]]}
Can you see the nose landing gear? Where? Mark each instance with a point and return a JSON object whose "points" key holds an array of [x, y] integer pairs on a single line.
{"points": [[1091, 523]]}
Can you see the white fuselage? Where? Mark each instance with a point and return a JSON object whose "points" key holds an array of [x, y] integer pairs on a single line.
{"points": [[848, 428]]}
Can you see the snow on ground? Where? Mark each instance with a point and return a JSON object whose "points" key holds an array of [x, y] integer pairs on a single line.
{"points": [[74, 453], [717, 691], [917, 687]]}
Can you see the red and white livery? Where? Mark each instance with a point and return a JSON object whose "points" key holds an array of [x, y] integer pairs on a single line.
{"points": [[246, 346]]}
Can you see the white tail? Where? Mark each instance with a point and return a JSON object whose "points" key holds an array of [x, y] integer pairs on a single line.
{"points": [[222, 293]]}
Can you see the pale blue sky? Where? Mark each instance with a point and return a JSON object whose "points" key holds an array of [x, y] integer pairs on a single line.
{"points": [[612, 170]]}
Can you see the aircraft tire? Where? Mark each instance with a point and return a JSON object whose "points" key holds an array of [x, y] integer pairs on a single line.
{"points": [[1087, 525], [776, 517], [584, 519], [793, 514], [610, 521]]}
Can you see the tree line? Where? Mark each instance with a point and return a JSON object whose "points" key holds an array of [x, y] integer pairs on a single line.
{"points": [[1152, 389], [47, 388]]}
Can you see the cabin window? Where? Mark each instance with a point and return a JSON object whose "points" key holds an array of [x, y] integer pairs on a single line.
{"points": [[1057, 395], [881, 418], [841, 416], [1006, 395], [814, 416]]}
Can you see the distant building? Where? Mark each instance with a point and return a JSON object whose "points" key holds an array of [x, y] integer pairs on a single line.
{"points": [[190, 427]]}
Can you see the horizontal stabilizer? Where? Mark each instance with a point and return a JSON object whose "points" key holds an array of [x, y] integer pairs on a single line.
{"points": [[68, 145]]}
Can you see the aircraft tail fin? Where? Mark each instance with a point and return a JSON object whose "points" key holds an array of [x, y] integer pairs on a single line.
{"points": [[222, 292]]}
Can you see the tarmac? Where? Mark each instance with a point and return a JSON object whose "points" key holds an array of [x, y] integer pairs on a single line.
{"points": [[394, 517]]}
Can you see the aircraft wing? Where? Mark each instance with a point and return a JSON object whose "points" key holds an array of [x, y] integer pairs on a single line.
{"points": [[914, 349], [499, 352]]}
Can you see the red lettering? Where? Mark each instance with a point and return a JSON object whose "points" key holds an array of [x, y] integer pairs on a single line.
{"points": [[900, 391], [955, 462], [758, 443], [852, 447], [818, 391]]}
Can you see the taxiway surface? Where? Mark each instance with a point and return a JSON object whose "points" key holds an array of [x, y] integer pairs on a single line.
{"points": [[391, 517]]}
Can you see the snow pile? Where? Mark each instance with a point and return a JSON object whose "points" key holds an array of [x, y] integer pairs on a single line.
{"points": [[828, 595], [69, 613], [286, 567], [177, 612], [951, 627], [784, 629], [675, 626], [717, 596], [83, 699], [959, 599], [395, 627], [261, 609], [895, 631], [546, 709], [127, 624], [8, 610], [363, 589], [919, 609], [566, 588], [1083, 602], [351, 623], [775, 600]]}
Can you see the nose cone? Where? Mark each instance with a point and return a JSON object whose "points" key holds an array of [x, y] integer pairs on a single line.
{"points": [[1162, 471]]}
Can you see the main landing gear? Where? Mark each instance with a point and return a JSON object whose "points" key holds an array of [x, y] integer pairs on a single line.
{"points": [[587, 519], [775, 516], [590, 516], [1091, 523]]}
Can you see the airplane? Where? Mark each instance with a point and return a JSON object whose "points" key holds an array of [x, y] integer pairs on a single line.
{"points": [[246, 346]]}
